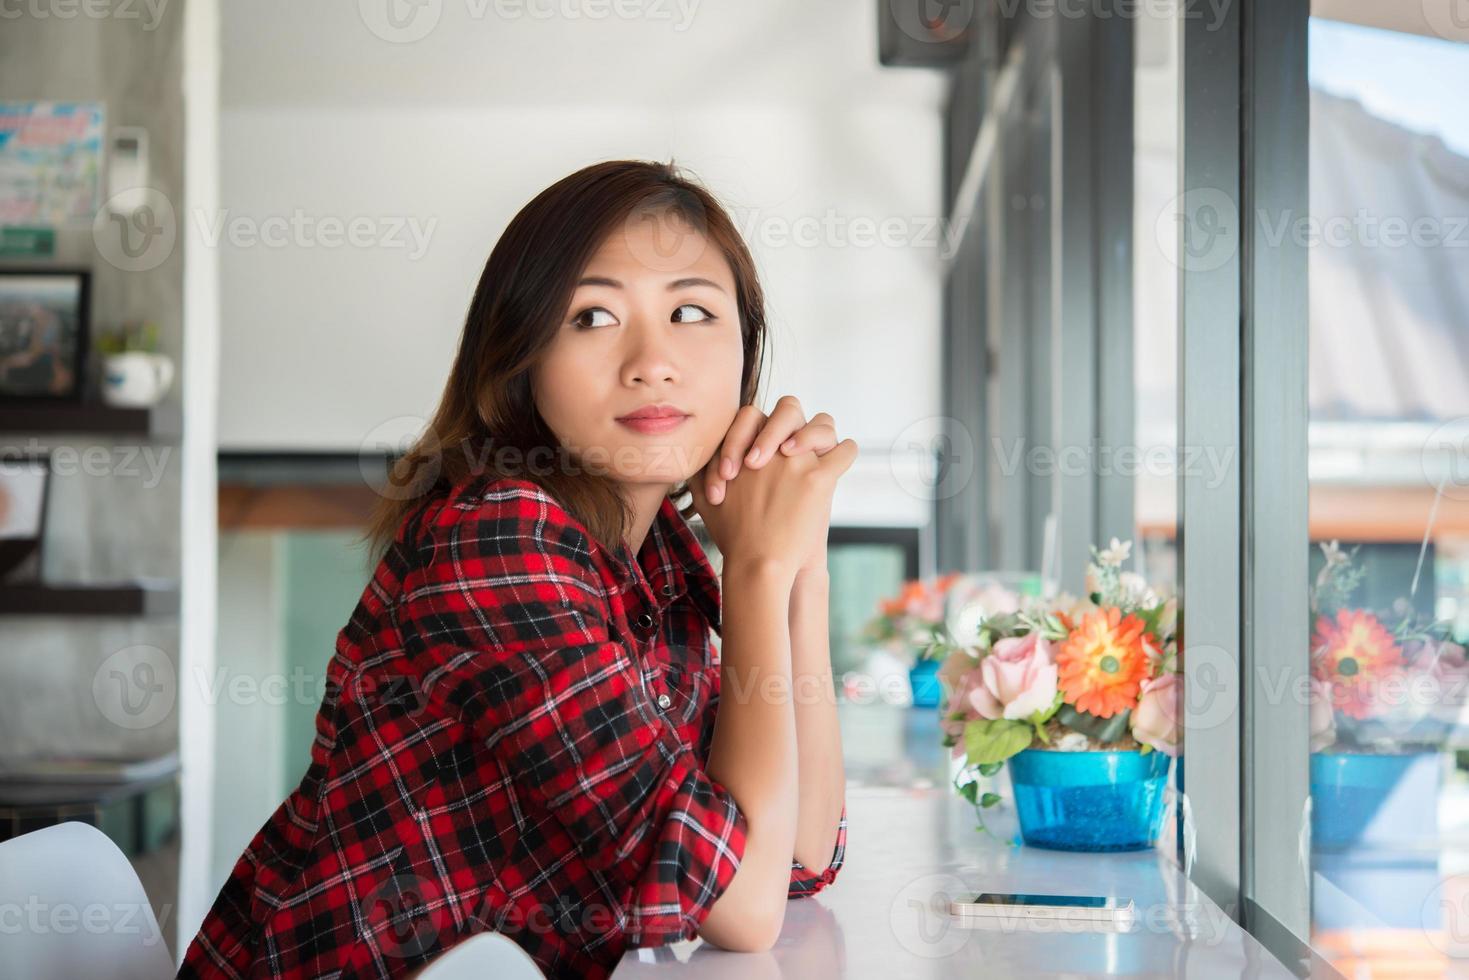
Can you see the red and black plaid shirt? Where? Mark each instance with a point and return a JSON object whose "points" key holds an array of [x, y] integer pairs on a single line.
{"points": [[513, 739]]}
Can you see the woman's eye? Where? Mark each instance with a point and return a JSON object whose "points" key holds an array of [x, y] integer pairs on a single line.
{"points": [[586, 318], [706, 315]]}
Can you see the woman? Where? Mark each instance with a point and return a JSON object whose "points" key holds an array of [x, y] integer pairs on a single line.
{"points": [[520, 731]]}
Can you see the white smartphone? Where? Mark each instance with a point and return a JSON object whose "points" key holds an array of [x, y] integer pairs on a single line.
{"points": [[1101, 909]]}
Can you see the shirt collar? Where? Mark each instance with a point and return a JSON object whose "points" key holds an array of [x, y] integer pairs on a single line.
{"points": [[673, 562]]}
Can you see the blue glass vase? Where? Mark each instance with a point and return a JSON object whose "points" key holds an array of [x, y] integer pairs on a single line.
{"points": [[1089, 801], [1347, 791], [923, 677]]}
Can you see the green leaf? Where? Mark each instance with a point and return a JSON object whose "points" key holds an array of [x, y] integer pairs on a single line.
{"points": [[1044, 715], [995, 740], [990, 768], [989, 799], [1097, 729], [969, 790]]}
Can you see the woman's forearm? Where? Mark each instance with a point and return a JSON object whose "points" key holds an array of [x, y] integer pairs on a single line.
{"points": [[753, 752], [818, 735]]}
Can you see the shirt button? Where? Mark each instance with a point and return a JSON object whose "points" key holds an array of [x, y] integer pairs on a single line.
{"points": [[668, 589], [645, 621], [664, 701]]}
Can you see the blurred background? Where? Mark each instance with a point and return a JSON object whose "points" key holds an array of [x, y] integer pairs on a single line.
{"points": [[238, 240]]}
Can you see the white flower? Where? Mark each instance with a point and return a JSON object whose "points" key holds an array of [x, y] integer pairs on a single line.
{"points": [[1333, 553], [1072, 742], [1116, 553], [1136, 591]]}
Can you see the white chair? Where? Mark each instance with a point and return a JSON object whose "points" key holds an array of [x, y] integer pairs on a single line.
{"points": [[71, 906], [488, 954]]}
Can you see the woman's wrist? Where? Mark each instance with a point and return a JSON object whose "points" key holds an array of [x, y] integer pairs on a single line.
{"points": [[759, 573]]}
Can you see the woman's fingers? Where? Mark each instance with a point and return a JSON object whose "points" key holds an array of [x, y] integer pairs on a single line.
{"points": [[818, 435], [785, 420], [725, 464], [840, 458], [701, 486]]}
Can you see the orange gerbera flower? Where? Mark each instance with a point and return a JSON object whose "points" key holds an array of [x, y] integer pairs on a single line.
{"points": [[1103, 663], [910, 596], [1353, 653]]}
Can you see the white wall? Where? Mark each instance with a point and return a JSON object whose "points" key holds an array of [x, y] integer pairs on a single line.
{"points": [[780, 108]]}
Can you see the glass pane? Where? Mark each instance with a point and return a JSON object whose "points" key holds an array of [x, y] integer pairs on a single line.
{"points": [[1389, 503]]}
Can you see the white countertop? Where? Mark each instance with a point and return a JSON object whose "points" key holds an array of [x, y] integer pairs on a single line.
{"points": [[912, 842]]}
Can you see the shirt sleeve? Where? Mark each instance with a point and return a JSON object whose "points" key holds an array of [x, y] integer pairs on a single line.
{"points": [[806, 882], [519, 645]]}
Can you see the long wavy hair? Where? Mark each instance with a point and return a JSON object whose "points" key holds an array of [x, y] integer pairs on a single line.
{"points": [[487, 417]]}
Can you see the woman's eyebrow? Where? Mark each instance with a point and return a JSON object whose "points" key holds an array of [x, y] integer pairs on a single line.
{"points": [[675, 284]]}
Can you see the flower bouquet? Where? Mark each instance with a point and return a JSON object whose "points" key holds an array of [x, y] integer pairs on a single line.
{"points": [[911, 626], [1386, 687], [1081, 697]]}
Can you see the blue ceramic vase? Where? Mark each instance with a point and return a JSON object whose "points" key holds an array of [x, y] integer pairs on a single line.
{"points": [[923, 677], [1348, 789], [1089, 801]]}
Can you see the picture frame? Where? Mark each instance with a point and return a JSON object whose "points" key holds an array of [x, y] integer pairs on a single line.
{"points": [[25, 491], [45, 333]]}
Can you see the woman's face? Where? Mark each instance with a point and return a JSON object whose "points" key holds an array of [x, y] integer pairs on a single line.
{"points": [[653, 322]]}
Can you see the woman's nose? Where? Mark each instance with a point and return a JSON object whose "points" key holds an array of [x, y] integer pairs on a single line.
{"points": [[649, 357]]}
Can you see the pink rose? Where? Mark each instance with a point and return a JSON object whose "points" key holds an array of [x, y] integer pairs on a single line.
{"points": [[1323, 717], [958, 675], [1018, 678], [1156, 719]]}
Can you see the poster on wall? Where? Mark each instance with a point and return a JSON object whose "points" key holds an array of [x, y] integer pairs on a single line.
{"points": [[50, 162]]}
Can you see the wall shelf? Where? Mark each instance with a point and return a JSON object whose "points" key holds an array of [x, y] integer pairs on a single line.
{"points": [[113, 599], [162, 422]]}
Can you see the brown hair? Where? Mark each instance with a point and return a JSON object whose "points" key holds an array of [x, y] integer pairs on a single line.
{"points": [[524, 292]]}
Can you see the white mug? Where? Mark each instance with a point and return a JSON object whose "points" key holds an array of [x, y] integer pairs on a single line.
{"points": [[136, 379]]}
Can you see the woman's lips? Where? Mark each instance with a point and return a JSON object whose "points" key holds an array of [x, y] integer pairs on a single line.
{"points": [[651, 426]]}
